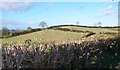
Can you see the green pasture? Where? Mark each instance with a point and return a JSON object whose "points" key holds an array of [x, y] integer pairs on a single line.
{"points": [[96, 30], [45, 36], [49, 35]]}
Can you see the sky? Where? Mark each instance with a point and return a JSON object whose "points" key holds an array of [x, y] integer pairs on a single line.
{"points": [[20, 15]]}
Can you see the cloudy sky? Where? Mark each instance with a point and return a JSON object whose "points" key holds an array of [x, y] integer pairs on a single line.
{"points": [[16, 14]]}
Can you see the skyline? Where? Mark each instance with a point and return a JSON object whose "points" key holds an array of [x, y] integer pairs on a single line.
{"points": [[29, 14]]}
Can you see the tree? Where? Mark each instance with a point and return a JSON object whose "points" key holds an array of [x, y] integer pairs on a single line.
{"points": [[43, 24], [29, 28], [5, 30], [17, 30], [99, 23], [77, 22]]}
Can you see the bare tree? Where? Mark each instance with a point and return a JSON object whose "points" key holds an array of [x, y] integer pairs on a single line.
{"points": [[99, 23], [5, 31], [43, 24], [5, 28], [77, 22]]}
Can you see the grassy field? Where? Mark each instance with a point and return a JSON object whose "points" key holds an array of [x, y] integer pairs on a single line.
{"points": [[49, 35], [96, 30], [45, 36], [99, 50]]}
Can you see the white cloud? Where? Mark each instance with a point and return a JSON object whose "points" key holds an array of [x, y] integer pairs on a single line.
{"points": [[7, 0], [108, 10], [16, 1], [60, 0], [15, 5], [109, 7], [110, 0], [106, 13]]}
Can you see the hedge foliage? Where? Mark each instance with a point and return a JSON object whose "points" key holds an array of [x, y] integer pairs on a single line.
{"points": [[16, 33], [99, 53]]}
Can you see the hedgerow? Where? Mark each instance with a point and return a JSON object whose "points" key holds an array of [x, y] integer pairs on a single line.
{"points": [[12, 34], [98, 53]]}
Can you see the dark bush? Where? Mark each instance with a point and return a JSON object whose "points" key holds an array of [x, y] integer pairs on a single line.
{"points": [[91, 33]]}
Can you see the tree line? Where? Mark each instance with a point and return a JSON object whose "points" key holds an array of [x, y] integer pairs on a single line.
{"points": [[6, 33]]}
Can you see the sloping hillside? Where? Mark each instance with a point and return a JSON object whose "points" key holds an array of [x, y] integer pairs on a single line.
{"points": [[66, 33]]}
